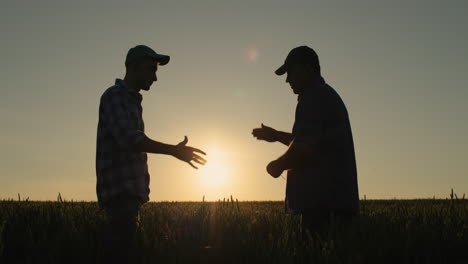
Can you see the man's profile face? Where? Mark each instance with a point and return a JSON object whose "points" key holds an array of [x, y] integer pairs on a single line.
{"points": [[297, 77], [144, 72]]}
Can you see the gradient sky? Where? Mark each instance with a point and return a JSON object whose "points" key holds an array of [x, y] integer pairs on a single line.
{"points": [[400, 66]]}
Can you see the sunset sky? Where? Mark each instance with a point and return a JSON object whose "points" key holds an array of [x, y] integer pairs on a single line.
{"points": [[401, 68]]}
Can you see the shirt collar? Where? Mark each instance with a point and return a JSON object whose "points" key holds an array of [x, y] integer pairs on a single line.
{"points": [[121, 83], [315, 86]]}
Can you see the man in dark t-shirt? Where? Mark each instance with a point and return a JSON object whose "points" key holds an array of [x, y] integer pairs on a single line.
{"points": [[320, 160]]}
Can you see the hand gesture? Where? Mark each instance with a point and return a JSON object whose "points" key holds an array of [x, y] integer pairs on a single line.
{"points": [[187, 154], [274, 169], [265, 133]]}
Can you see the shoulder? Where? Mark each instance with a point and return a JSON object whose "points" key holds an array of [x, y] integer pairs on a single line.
{"points": [[324, 102], [326, 93], [333, 100], [112, 93]]}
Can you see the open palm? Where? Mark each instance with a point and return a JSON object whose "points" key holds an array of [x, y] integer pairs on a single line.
{"points": [[188, 154]]}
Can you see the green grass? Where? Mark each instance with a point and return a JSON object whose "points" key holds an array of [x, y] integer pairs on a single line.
{"points": [[386, 231]]}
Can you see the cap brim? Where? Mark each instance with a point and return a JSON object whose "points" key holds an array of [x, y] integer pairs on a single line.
{"points": [[162, 59], [281, 70]]}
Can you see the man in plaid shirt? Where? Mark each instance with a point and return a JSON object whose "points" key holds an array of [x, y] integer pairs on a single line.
{"points": [[121, 160]]}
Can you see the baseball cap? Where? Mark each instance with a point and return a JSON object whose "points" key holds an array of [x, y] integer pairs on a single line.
{"points": [[299, 55], [141, 51]]}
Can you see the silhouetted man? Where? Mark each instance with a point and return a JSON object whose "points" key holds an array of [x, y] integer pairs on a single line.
{"points": [[320, 160], [121, 160]]}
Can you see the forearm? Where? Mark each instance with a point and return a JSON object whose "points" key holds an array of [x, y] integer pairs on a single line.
{"points": [[284, 137], [150, 146], [298, 155]]}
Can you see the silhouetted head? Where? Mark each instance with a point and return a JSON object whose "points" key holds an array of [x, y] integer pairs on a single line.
{"points": [[302, 67], [141, 65]]}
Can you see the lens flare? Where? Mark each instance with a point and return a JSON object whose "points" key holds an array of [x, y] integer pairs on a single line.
{"points": [[251, 55]]}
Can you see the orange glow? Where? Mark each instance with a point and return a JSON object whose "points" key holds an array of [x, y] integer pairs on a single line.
{"points": [[216, 172]]}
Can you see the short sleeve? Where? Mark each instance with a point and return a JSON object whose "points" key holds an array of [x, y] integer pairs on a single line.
{"points": [[309, 125], [125, 130]]}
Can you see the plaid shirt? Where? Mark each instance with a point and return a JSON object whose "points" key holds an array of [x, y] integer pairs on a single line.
{"points": [[120, 127]]}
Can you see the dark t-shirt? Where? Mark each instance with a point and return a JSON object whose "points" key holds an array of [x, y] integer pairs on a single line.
{"points": [[329, 180]]}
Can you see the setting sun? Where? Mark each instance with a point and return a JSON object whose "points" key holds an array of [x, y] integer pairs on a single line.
{"points": [[216, 172]]}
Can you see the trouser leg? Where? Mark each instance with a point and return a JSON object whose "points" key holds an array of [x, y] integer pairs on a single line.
{"points": [[317, 221], [314, 222], [120, 229]]}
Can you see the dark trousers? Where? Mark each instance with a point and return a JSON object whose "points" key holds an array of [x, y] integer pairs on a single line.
{"points": [[317, 221], [121, 224]]}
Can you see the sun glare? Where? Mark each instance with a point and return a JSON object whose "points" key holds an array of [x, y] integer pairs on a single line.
{"points": [[216, 172]]}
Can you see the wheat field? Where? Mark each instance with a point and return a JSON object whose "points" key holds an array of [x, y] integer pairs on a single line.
{"points": [[228, 231]]}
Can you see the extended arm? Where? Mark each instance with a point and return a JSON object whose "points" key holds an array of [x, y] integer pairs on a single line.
{"points": [[151, 146], [129, 137], [180, 151], [284, 137], [272, 135]]}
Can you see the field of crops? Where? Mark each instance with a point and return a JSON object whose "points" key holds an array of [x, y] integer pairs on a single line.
{"points": [[386, 231]]}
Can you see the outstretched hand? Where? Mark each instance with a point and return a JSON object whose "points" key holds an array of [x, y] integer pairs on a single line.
{"points": [[187, 154], [265, 133]]}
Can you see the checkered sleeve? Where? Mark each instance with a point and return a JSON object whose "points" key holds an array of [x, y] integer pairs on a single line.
{"points": [[122, 125]]}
